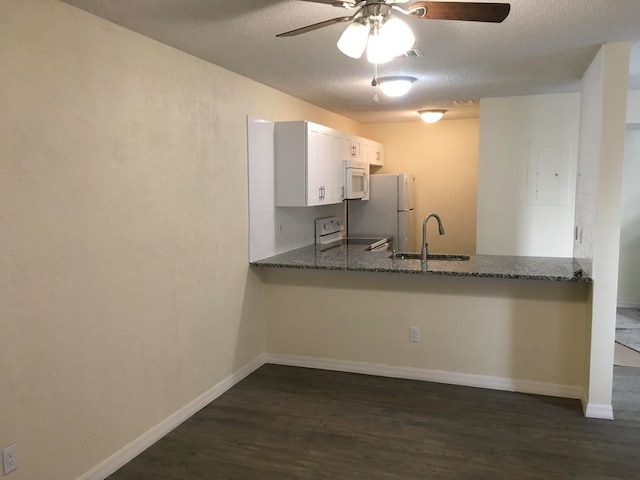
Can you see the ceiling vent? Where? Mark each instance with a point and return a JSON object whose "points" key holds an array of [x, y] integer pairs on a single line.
{"points": [[463, 103], [413, 53]]}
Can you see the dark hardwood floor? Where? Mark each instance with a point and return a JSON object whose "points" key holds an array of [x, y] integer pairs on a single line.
{"points": [[293, 423]]}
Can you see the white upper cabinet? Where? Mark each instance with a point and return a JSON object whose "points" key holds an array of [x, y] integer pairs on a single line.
{"points": [[365, 150], [362, 150], [352, 148], [308, 167], [309, 162], [376, 153]]}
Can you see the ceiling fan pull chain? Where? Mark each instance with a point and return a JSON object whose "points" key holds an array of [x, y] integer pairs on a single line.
{"points": [[374, 83]]}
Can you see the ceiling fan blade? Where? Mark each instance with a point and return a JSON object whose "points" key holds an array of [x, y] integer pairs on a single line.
{"points": [[466, 11], [335, 3], [315, 26]]}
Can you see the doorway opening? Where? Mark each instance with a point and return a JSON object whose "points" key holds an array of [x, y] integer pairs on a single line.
{"points": [[627, 349]]}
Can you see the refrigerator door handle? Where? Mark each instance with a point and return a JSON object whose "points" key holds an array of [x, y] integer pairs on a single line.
{"points": [[406, 190]]}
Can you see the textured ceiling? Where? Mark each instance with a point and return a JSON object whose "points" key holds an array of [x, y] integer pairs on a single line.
{"points": [[542, 47]]}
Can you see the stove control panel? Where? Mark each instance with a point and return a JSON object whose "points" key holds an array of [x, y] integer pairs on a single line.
{"points": [[329, 230]]}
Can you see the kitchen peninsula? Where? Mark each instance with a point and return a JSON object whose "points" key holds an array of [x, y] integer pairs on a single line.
{"points": [[508, 323], [355, 258]]}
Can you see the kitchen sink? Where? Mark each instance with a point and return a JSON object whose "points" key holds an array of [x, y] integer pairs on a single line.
{"points": [[431, 256]]}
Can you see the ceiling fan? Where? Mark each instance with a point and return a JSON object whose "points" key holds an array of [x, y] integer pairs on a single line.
{"points": [[383, 35]]}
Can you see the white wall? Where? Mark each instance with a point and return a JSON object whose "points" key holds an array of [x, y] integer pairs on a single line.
{"points": [[633, 107], [629, 272], [124, 279], [508, 222], [629, 275], [591, 125], [598, 207]]}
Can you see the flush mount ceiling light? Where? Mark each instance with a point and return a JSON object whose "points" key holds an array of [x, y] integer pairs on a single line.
{"points": [[395, 86], [431, 116]]}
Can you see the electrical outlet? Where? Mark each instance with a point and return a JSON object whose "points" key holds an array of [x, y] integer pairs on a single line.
{"points": [[414, 334], [9, 459]]}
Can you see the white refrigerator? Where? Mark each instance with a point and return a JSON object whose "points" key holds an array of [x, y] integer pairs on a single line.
{"points": [[389, 211]]}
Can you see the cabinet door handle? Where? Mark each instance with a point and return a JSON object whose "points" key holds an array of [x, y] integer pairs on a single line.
{"points": [[353, 150]]}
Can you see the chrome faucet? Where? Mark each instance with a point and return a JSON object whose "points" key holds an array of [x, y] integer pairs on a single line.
{"points": [[425, 252]]}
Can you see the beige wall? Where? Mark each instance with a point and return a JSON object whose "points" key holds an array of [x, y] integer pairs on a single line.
{"points": [[444, 158], [124, 284], [510, 330], [124, 279]]}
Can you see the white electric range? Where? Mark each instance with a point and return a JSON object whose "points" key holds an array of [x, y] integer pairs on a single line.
{"points": [[330, 232]]}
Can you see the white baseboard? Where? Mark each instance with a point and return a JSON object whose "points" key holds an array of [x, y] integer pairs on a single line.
{"points": [[439, 376], [628, 305], [595, 410], [130, 451]]}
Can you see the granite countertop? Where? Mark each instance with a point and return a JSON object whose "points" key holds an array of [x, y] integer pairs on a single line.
{"points": [[355, 258]]}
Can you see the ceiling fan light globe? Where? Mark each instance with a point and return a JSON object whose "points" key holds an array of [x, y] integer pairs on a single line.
{"points": [[353, 40], [378, 51], [397, 35]]}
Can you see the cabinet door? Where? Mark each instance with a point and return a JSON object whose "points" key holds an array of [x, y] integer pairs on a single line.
{"points": [[334, 181], [324, 166], [329, 167], [315, 146], [365, 150], [376, 154], [356, 149], [345, 152], [350, 148]]}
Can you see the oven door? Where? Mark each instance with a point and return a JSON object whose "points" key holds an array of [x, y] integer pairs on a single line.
{"points": [[356, 183]]}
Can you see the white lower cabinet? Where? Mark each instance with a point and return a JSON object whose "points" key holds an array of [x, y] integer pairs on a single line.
{"points": [[308, 167]]}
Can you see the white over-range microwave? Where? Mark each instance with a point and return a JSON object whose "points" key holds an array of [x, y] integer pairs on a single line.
{"points": [[356, 180]]}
